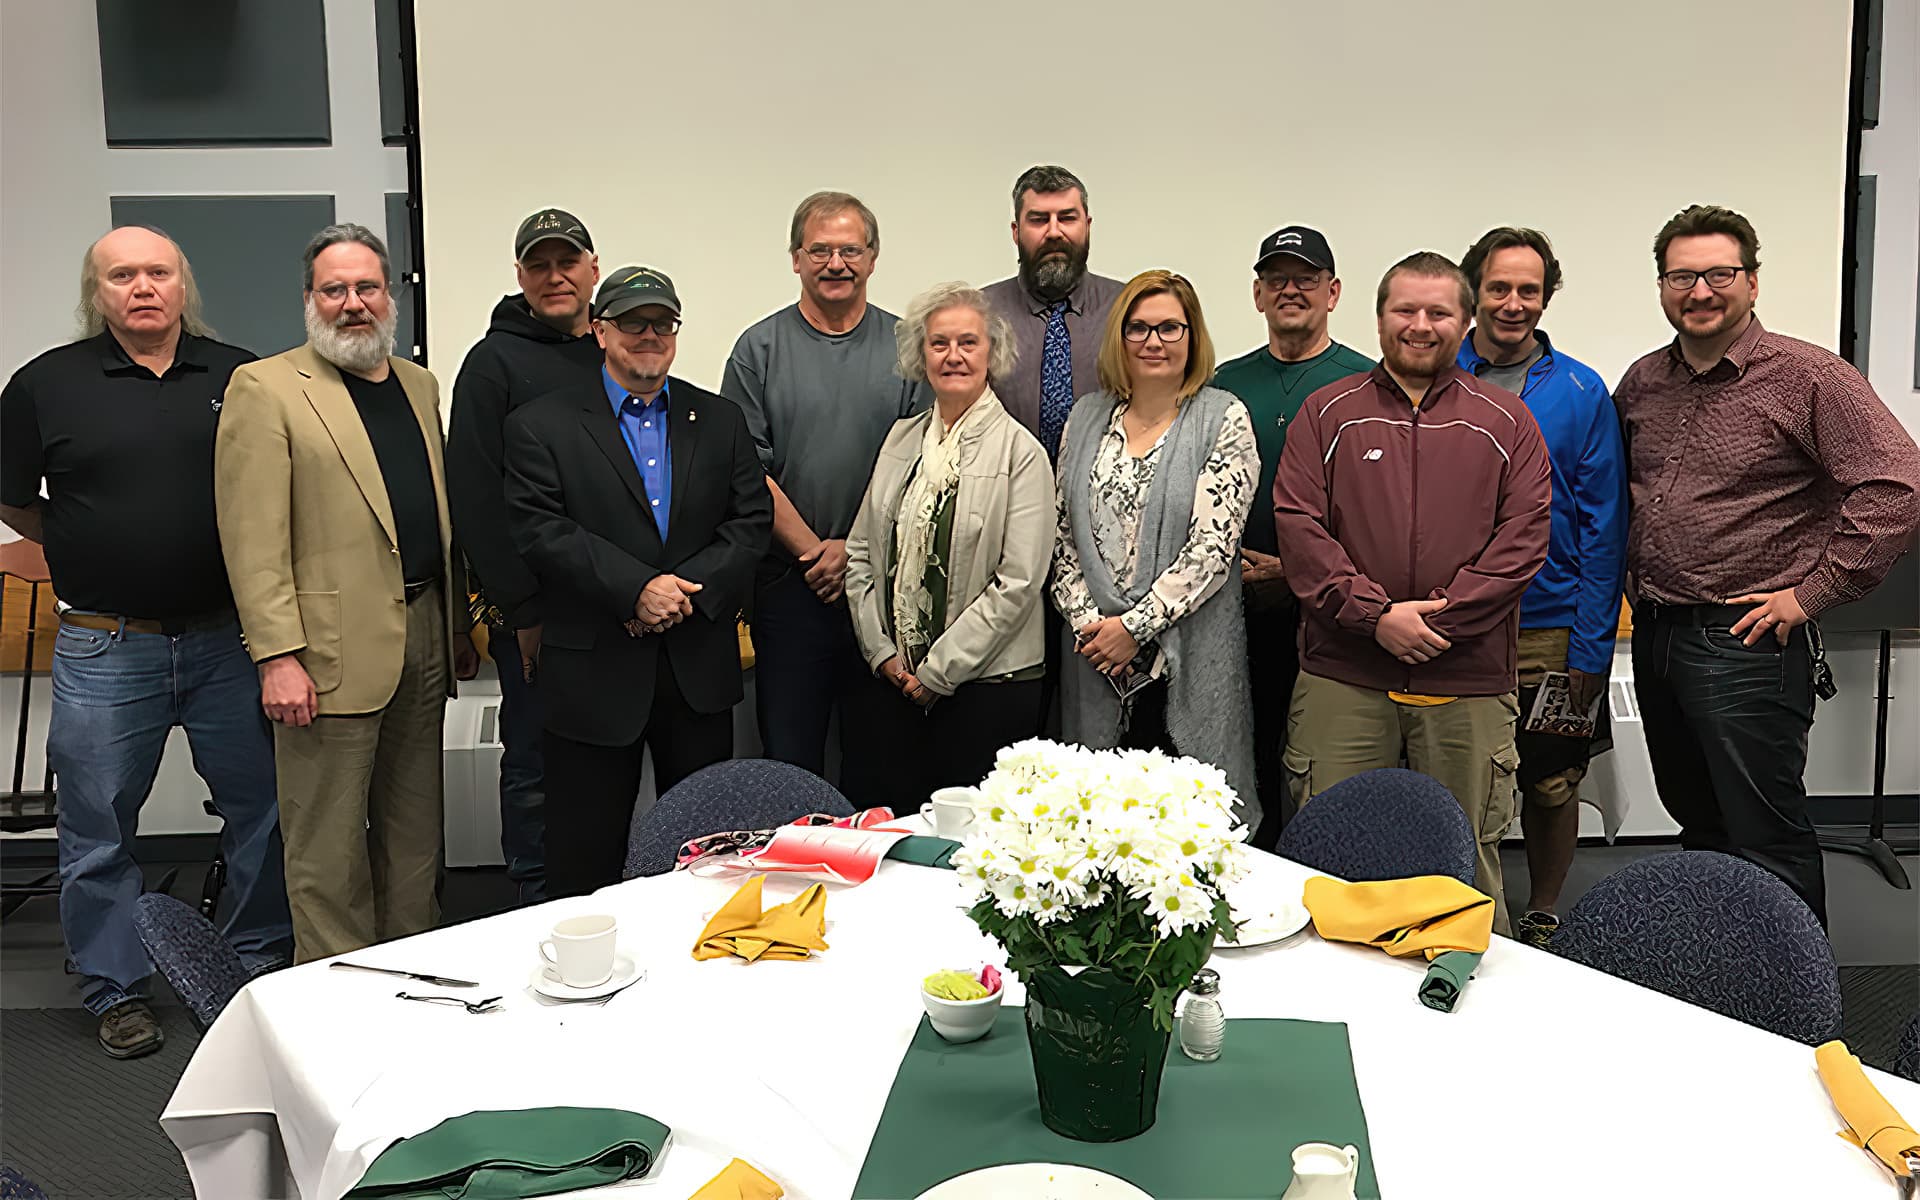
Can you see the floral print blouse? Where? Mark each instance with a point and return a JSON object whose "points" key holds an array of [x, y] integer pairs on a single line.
{"points": [[1120, 485]]}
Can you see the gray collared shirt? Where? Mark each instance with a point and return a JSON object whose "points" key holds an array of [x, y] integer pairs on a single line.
{"points": [[1087, 308]]}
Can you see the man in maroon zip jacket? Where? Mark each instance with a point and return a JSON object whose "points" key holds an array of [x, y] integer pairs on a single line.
{"points": [[1411, 507]]}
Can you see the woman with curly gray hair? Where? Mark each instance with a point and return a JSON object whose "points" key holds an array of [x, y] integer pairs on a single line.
{"points": [[947, 563]]}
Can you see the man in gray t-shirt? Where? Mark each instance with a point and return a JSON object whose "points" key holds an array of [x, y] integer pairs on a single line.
{"points": [[817, 384]]}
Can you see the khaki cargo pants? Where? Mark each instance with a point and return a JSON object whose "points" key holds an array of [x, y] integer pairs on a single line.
{"points": [[1336, 731]]}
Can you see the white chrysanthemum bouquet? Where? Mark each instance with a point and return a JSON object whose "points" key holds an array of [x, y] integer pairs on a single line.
{"points": [[1104, 858]]}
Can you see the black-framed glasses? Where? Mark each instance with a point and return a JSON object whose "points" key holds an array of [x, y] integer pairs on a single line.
{"points": [[1169, 331], [1300, 283], [821, 255], [1718, 278], [367, 289], [635, 326]]}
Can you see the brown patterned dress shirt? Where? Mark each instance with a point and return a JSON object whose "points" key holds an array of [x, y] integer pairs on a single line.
{"points": [[1779, 467]]}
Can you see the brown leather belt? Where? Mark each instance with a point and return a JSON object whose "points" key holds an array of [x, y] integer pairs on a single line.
{"points": [[113, 623]]}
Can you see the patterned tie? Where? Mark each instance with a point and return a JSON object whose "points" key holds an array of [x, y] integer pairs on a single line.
{"points": [[1056, 379]]}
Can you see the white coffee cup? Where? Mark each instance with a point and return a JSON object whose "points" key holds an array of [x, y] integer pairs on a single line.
{"points": [[950, 810], [580, 950]]}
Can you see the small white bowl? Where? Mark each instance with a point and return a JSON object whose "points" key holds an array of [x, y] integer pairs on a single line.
{"points": [[962, 1020]]}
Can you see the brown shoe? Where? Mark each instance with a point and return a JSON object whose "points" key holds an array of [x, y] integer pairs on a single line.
{"points": [[128, 1030]]}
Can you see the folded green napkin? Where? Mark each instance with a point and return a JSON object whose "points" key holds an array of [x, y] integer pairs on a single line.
{"points": [[509, 1155], [924, 851], [1447, 977]]}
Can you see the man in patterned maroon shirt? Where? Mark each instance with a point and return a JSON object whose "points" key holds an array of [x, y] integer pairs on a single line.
{"points": [[1768, 484]]}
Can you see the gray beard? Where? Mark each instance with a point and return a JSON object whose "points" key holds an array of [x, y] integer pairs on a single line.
{"points": [[353, 352], [1052, 278]]}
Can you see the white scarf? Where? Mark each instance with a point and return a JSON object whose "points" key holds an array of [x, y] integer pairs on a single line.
{"points": [[934, 477]]}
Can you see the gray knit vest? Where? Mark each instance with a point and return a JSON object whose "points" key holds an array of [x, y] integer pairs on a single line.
{"points": [[1209, 707]]}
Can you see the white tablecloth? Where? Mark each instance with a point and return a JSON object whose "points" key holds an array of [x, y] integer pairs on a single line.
{"points": [[1548, 1079]]}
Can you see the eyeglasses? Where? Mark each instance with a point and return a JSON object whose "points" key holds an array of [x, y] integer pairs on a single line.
{"points": [[635, 326], [1302, 283], [821, 255], [1717, 278], [366, 289], [1169, 331]]}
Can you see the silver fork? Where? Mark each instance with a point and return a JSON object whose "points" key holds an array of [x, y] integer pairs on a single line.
{"points": [[473, 1006]]}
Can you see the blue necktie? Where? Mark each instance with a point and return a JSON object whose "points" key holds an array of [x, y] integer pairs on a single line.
{"points": [[1056, 379]]}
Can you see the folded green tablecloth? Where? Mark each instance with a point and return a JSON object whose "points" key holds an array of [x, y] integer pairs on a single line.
{"points": [[509, 1155], [1447, 977], [1226, 1129], [924, 851]]}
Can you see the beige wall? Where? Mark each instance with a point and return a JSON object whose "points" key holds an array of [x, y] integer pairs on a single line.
{"points": [[684, 134]]}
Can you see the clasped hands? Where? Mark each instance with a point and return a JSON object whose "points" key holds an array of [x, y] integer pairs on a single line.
{"points": [[895, 672], [666, 601]]}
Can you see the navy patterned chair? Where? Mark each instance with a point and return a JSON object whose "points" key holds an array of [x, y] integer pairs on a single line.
{"points": [[1713, 930], [15, 1186], [1386, 824], [1906, 1058], [740, 793], [204, 970]]}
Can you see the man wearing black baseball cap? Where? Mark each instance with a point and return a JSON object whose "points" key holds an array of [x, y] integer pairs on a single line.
{"points": [[539, 341], [1295, 289], [641, 506]]}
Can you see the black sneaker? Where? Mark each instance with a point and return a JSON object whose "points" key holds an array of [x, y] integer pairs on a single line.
{"points": [[1537, 928], [128, 1030]]}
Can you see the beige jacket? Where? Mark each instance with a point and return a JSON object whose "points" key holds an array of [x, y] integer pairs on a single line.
{"points": [[307, 529], [1003, 527]]}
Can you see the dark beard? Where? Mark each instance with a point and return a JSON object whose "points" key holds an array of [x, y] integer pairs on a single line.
{"points": [[1050, 278]]}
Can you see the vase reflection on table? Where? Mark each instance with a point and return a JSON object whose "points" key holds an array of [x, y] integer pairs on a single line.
{"points": [[1102, 875]]}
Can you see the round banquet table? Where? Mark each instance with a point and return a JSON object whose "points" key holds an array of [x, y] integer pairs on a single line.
{"points": [[1547, 1079]]}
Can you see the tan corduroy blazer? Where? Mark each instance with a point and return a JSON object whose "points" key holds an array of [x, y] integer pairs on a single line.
{"points": [[307, 530]]}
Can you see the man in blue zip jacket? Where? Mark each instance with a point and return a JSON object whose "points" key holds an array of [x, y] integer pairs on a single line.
{"points": [[1570, 611]]}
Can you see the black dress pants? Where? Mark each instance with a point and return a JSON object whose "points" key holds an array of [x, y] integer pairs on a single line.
{"points": [[907, 752], [1726, 727], [591, 790], [1273, 664]]}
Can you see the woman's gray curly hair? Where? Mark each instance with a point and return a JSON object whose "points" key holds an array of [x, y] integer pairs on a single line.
{"points": [[910, 335]]}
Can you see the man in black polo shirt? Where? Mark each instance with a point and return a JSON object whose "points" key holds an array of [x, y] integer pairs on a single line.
{"points": [[120, 426], [539, 341]]}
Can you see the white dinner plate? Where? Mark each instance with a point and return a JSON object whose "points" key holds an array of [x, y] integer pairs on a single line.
{"points": [[1035, 1181], [1265, 924], [547, 981]]}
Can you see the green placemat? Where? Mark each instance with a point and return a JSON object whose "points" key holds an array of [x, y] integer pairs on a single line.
{"points": [[924, 851], [1226, 1129]]}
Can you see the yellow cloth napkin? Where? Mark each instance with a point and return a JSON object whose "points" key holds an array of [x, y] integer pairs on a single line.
{"points": [[1872, 1123], [739, 1180], [1431, 914], [791, 930]]}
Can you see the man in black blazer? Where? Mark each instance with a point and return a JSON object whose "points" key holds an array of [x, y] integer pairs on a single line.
{"points": [[641, 505]]}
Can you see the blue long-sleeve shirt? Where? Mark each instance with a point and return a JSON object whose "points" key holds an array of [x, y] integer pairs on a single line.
{"points": [[1579, 588], [644, 429]]}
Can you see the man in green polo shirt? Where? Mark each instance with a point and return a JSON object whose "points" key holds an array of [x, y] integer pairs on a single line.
{"points": [[1295, 289]]}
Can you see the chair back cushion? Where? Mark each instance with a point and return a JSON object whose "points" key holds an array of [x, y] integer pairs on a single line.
{"points": [[740, 793], [203, 969], [1387, 824]]}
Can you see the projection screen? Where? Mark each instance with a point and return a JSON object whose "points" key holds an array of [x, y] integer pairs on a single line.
{"points": [[684, 134]]}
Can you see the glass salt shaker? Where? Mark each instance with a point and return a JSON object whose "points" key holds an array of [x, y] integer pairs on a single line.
{"points": [[1203, 1024]]}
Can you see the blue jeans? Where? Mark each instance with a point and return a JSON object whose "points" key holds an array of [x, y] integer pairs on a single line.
{"points": [[116, 695], [523, 795]]}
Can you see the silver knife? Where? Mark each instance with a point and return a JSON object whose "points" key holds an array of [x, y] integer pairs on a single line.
{"points": [[440, 980]]}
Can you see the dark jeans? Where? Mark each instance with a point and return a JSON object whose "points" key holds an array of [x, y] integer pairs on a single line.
{"points": [[1147, 720], [116, 697], [910, 751], [806, 665], [523, 797], [596, 787], [1726, 727], [1273, 664]]}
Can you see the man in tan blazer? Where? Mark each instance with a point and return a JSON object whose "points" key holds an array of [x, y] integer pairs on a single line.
{"points": [[332, 506]]}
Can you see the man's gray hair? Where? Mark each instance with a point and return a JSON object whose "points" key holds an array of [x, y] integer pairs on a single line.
{"points": [[910, 335], [93, 322], [334, 235], [1047, 179], [827, 204]]}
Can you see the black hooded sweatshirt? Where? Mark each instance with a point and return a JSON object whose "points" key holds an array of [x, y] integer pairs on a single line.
{"points": [[522, 358]]}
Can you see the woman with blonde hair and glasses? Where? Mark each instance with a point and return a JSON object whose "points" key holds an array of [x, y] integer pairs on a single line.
{"points": [[947, 565], [1157, 473]]}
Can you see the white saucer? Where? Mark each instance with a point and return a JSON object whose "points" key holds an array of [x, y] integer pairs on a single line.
{"points": [[547, 982], [1039, 1181], [1265, 924]]}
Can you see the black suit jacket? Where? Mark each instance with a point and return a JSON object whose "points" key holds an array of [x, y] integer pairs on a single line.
{"points": [[580, 519]]}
